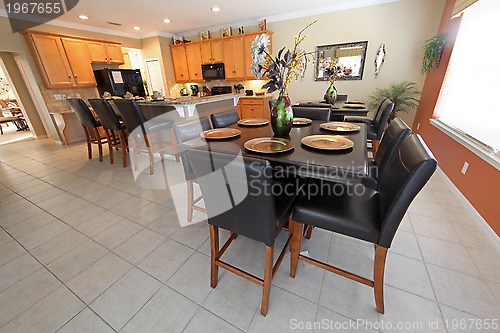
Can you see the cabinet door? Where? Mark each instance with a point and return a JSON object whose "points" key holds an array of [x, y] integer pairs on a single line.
{"points": [[232, 49], [52, 61], [193, 56], [246, 111], [180, 63], [79, 60], [206, 53], [239, 60], [216, 48], [97, 52], [115, 55], [227, 49]]}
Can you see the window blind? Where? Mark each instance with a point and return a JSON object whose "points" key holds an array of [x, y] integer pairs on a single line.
{"points": [[460, 6]]}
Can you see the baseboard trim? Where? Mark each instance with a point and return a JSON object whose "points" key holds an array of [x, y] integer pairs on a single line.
{"points": [[479, 220]]}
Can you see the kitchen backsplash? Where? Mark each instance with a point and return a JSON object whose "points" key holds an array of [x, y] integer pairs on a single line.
{"points": [[255, 85], [56, 98]]}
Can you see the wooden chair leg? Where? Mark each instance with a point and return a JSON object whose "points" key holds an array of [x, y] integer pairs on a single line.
{"points": [[135, 151], [308, 231], [151, 155], [268, 275], [296, 240], [190, 195], [174, 145], [110, 138], [99, 143], [214, 255], [123, 143], [375, 144], [89, 143], [378, 277]]}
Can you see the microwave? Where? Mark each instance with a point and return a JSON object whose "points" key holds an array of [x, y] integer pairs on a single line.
{"points": [[213, 72]]}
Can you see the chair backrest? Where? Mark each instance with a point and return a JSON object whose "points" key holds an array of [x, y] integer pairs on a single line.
{"points": [[395, 134], [407, 172], [224, 119], [236, 191], [106, 114], [379, 107], [341, 98], [382, 117], [313, 113], [186, 131], [131, 114], [83, 112]]}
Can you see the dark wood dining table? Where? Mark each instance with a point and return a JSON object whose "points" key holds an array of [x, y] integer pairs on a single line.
{"points": [[307, 162]]}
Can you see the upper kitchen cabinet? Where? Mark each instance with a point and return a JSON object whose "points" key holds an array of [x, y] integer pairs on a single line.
{"points": [[79, 61], [179, 61], [193, 57], [51, 60], [247, 44], [105, 53], [211, 51], [234, 62]]}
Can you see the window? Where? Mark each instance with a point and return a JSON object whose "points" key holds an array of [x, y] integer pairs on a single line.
{"points": [[468, 101]]}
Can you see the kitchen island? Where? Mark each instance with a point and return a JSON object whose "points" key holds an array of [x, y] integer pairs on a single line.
{"points": [[187, 106]]}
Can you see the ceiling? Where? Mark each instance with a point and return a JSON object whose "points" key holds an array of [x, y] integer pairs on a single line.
{"points": [[192, 15]]}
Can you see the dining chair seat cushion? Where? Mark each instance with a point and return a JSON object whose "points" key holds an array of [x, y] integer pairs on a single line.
{"points": [[347, 213]]}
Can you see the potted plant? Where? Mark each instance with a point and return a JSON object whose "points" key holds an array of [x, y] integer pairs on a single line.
{"points": [[402, 94], [433, 48]]}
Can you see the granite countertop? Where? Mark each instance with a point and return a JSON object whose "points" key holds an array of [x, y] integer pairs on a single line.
{"points": [[193, 100]]}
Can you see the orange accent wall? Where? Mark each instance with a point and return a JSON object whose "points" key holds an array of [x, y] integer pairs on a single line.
{"points": [[481, 184]]}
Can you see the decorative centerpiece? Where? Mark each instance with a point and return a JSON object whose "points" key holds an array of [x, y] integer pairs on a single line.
{"points": [[334, 72], [281, 70]]}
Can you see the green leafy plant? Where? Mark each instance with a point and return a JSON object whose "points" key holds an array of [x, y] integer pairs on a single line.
{"points": [[402, 94], [433, 48]]}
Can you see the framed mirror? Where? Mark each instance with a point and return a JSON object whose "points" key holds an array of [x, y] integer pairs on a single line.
{"points": [[349, 56]]}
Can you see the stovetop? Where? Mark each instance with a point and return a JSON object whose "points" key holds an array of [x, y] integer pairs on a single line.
{"points": [[220, 90]]}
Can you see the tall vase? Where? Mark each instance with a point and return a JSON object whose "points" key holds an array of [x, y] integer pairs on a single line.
{"points": [[282, 116], [331, 94]]}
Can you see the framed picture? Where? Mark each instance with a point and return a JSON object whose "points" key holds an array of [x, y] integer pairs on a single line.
{"points": [[241, 30], [205, 35], [262, 25], [226, 32], [178, 40]]}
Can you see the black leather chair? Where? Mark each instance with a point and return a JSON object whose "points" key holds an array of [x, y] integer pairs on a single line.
{"points": [[366, 120], [323, 104], [396, 133], [373, 216], [224, 119], [379, 123], [114, 129], [186, 131], [313, 113], [140, 129], [237, 194], [341, 98], [90, 125]]}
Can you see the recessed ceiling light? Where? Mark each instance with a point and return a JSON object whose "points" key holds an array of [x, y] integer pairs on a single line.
{"points": [[84, 17], [137, 28], [215, 9], [166, 21]]}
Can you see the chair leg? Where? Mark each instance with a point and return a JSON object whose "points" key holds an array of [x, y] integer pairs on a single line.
{"points": [[123, 143], [99, 143], [378, 277], [375, 144], [135, 151], [268, 275], [296, 240], [151, 155], [89, 143], [174, 145], [190, 195], [214, 255], [110, 137], [308, 231]]}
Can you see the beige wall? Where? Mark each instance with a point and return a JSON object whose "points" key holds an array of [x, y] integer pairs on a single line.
{"points": [[403, 26]]}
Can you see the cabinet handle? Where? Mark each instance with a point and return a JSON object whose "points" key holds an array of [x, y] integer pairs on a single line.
{"points": [[69, 75], [76, 76], [106, 58]]}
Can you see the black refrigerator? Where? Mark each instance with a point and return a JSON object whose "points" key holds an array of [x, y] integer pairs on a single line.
{"points": [[118, 81]]}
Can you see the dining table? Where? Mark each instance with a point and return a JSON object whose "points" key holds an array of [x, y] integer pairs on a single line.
{"points": [[340, 165]]}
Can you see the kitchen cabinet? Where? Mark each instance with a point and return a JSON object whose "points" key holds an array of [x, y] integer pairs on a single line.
{"points": [[254, 107], [193, 57], [234, 62], [179, 61], [211, 51], [79, 61], [105, 53]]}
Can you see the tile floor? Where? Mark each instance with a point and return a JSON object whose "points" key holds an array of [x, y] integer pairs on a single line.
{"points": [[85, 249]]}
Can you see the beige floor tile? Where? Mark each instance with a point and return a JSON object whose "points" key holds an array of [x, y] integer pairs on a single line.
{"points": [[85, 322], [43, 234], [166, 311], [192, 235], [464, 292], [139, 246], [476, 237], [166, 225], [48, 315], [488, 264], [16, 270], [23, 228], [405, 244], [165, 260], [58, 246], [98, 277], [117, 233], [122, 301], [329, 321], [457, 321], [10, 251], [98, 224], [438, 228], [205, 321]]}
